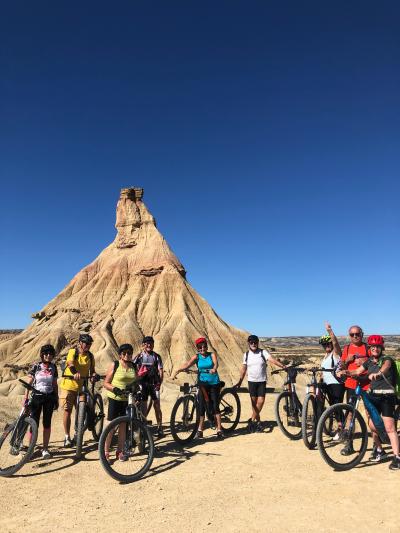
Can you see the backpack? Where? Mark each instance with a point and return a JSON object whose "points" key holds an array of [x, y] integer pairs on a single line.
{"points": [[346, 348], [262, 357], [63, 363], [116, 365], [396, 366]]}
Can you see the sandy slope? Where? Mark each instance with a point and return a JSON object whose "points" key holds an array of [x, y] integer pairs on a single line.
{"points": [[257, 482]]}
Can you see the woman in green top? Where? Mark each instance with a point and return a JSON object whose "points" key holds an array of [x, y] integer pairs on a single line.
{"points": [[120, 375]]}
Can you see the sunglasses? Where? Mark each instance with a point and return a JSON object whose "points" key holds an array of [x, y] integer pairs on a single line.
{"points": [[48, 353], [126, 353], [253, 342], [355, 334]]}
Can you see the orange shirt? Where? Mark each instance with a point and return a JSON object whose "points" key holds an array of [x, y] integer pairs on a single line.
{"points": [[351, 349]]}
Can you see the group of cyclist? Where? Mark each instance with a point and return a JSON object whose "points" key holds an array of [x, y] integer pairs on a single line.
{"points": [[358, 362]]}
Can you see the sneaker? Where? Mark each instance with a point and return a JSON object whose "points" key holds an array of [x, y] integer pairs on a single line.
{"points": [[67, 442], [122, 457], [46, 454], [259, 428], [199, 435], [348, 450], [395, 464], [251, 425], [220, 435], [377, 455], [336, 437], [160, 433]]}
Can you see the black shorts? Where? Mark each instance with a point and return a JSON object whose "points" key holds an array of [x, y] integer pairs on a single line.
{"points": [[45, 404], [384, 403], [335, 392], [257, 389], [116, 408], [152, 390], [213, 396]]}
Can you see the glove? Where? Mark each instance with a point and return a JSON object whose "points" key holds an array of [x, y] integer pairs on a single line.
{"points": [[117, 391]]}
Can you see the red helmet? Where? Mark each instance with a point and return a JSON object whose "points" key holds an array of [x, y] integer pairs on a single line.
{"points": [[200, 340], [376, 340]]}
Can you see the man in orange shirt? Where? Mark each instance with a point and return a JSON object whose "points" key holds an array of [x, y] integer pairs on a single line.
{"points": [[354, 355]]}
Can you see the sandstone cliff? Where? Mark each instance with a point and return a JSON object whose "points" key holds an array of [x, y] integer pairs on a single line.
{"points": [[135, 286]]}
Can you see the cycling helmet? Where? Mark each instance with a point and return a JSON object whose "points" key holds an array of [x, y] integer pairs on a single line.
{"points": [[324, 340], [47, 349], [376, 340], [200, 340], [148, 339], [252, 338], [86, 338], [125, 348]]}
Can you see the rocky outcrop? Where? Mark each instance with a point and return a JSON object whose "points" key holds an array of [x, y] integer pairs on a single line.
{"points": [[135, 286]]}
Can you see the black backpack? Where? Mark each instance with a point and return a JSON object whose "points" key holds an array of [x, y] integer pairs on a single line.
{"points": [[262, 357], [63, 364]]}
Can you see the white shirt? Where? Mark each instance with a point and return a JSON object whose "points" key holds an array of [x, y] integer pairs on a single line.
{"points": [[326, 362], [256, 366]]}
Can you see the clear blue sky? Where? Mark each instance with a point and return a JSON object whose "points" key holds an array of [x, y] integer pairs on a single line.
{"points": [[266, 136]]}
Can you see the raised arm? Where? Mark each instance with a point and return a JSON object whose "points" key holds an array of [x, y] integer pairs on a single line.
{"points": [[335, 343]]}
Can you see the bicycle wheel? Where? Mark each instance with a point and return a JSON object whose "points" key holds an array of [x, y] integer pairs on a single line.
{"points": [[229, 407], [80, 428], [137, 449], [184, 419], [309, 421], [288, 415], [347, 447], [98, 417], [17, 444]]}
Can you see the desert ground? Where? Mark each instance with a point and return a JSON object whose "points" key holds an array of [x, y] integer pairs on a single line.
{"points": [[247, 482]]}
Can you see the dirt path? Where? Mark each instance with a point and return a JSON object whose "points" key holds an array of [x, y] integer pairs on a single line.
{"points": [[257, 482]]}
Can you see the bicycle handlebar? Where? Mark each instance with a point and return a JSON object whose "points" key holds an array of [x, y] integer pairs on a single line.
{"points": [[287, 368], [29, 386]]}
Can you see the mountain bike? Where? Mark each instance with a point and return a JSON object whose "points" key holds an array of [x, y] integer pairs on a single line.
{"points": [[313, 406], [345, 447], [18, 440], [185, 417], [138, 444], [288, 407], [89, 413]]}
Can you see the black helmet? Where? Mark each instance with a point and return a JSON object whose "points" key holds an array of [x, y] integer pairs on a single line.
{"points": [[148, 339], [86, 338], [125, 348], [47, 349], [252, 338]]}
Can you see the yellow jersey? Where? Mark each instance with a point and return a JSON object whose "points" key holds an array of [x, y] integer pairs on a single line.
{"points": [[82, 363]]}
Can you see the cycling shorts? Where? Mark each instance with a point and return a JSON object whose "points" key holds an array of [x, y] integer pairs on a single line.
{"points": [[152, 390], [116, 408], [335, 392], [213, 396], [257, 389], [384, 403], [46, 405]]}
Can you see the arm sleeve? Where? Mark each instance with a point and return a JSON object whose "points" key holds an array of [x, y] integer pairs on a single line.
{"points": [[266, 354], [70, 356], [160, 365], [244, 359]]}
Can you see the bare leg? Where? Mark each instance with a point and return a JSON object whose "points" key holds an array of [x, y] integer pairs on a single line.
{"points": [[392, 433], [375, 436], [67, 422], [157, 410], [201, 423]]}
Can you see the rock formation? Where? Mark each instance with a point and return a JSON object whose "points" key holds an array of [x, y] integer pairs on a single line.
{"points": [[135, 286]]}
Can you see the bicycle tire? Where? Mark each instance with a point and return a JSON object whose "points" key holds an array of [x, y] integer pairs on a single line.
{"points": [[80, 428], [98, 416], [28, 422], [329, 449], [132, 448], [309, 420], [229, 408], [292, 416], [185, 425]]}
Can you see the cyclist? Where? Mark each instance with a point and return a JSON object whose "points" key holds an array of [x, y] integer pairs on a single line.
{"points": [[209, 383], [43, 376], [381, 372], [353, 356], [255, 364], [331, 346], [148, 365], [79, 364], [120, 375]]}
